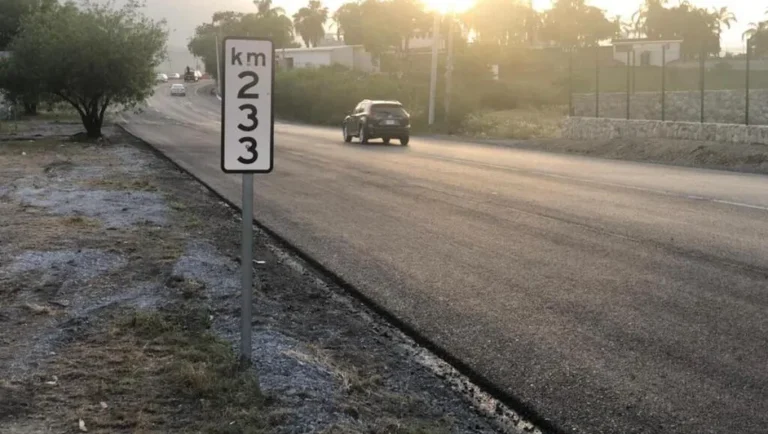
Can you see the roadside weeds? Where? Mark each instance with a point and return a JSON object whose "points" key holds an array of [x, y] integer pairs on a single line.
{"points": [[119, 311]]}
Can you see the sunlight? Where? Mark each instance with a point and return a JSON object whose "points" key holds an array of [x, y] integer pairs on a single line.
{"points": [[447, 6]]}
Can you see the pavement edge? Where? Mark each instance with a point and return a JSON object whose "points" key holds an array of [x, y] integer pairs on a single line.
{"points": [[545, 425]]}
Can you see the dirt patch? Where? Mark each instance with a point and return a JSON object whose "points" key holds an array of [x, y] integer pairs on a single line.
{"points": [[119, 295], [689, 153], [711, 155], [540, 129]]}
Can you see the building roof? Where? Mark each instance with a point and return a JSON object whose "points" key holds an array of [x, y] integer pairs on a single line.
{"points": [[325, 48], [643, 41]]}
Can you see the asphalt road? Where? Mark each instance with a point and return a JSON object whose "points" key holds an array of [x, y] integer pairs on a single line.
{"points": [[611, 297]]}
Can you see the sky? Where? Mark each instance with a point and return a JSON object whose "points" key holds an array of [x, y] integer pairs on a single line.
{"points": [[184, 15]]}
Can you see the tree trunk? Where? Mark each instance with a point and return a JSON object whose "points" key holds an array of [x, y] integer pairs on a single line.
{"points": [[92, 124], [30, 109]]}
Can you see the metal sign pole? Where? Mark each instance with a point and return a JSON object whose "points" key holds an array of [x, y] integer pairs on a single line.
{"points": [[246, 317], [663, 80], [218, 67], [247, 74]]}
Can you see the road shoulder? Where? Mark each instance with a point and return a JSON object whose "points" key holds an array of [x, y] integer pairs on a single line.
{"points": [[121, 311]]}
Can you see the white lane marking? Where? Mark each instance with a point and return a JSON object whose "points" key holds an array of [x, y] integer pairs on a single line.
{"points": [[602, 183], [661, 192], [744, 205]]}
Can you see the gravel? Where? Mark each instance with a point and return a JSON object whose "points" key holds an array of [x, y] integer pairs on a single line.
{"points": [[285, 366], [116, 209]]}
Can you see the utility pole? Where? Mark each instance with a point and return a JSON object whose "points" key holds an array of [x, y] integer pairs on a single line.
{"points": [[218, 66], [433, 78], [746, 84], [449, 69]]}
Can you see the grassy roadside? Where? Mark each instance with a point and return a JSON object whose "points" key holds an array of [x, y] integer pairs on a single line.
{"points": [[518, 124], [119, 308], [148, 372]]}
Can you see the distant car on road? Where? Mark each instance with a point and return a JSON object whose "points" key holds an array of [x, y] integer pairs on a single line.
{"points": [[175, 76], [161, 78], [373, 119], [191, 75], [178, 89]]}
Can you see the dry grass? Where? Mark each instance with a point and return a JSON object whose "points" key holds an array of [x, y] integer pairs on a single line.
{"points": [[153, 372], [124, 369], [523, 124], [12, 127], [122, 184]]}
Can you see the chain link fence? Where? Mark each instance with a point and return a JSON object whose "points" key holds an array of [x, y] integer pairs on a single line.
{"points": [[631, 84]]}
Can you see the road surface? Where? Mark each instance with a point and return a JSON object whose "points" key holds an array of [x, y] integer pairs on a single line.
{"points": [[608, 296]]}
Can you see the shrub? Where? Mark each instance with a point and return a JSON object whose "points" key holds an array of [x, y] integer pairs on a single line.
{"points": [[324, 95]]}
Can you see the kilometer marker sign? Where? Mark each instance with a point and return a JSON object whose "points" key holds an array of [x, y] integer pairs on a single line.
{"points": [[247, 122], [247, 73]]}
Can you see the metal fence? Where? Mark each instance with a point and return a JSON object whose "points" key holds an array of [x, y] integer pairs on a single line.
{"points": [[707, 89]]}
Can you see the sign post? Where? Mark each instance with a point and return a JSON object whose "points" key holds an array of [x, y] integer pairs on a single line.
{"points": [[247, 141]]}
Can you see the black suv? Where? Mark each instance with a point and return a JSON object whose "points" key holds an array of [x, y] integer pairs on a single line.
{"points": [[384, 120]]}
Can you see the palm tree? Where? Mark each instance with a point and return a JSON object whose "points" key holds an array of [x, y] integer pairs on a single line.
{"points": [[310, 21], [266, 10], [723, 17], [753, 29], [649, 9]]}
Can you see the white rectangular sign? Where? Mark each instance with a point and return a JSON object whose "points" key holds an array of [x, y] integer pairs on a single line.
{"points": [[247, 121]]}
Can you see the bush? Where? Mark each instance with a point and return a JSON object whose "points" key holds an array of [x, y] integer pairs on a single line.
{"points": [[324, 95]]}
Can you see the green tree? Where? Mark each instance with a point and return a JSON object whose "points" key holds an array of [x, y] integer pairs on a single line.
{"points": [[20, 88], [309, 22], [379, 37], [408, 18], [11, 14], [503, 22], [265, 9], [571, 23], [92, 56], [348, 21], [757, 37], [269, 22], [699, 28]]}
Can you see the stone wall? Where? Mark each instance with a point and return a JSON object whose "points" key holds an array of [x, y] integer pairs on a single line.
{"points": [[720, 106], [583, 128]]}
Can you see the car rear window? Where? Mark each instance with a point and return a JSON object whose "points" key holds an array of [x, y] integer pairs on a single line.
{"points": [[388, 109]]}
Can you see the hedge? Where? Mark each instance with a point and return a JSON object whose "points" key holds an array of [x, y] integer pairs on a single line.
{"points": [[325, 95]]}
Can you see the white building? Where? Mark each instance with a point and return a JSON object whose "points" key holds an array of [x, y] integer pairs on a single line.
{"points": [[646, 52], [330, 40], [351, 56], [425, 41]]}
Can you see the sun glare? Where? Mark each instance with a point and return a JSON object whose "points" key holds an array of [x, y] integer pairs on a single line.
{"points": [[447, 6]]}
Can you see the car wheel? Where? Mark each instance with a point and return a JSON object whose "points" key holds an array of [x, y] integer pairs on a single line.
{"points": [[386, 140], [404, 140], [347, 136], [363, 134]]}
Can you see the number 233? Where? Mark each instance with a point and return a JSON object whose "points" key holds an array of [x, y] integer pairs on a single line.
{"points": [[252, 116]]}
